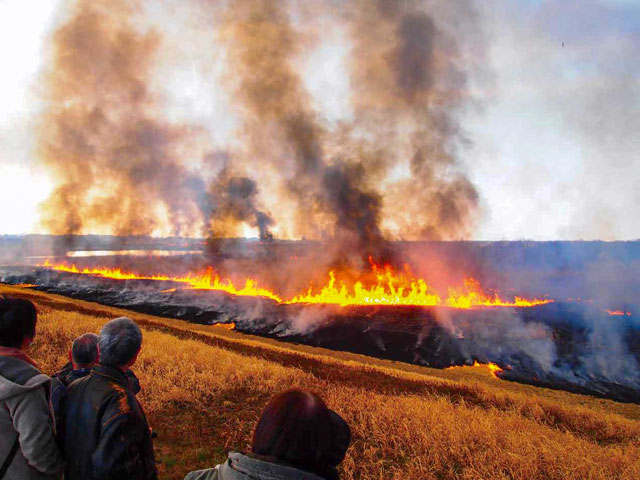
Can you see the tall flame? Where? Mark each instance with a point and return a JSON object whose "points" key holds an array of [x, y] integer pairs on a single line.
{"points": [[392, 288], [387, 287]]}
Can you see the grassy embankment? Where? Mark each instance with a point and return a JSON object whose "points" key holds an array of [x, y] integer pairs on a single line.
{"points": [[204, 387]]}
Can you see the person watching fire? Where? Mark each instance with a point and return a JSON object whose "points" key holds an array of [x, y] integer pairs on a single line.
{"points": [[106, 435], [297, 437], [82, 356], [28, 448]]}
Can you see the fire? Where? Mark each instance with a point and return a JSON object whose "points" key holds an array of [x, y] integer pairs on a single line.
{"points": [[225, 326], [205, 281], [617, 313], [384, 286], [391, 288], [493, 368]]}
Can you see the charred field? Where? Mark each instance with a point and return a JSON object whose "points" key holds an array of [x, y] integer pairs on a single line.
{"points": [[583, 336]]}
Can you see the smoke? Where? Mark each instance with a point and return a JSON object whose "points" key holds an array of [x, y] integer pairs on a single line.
{"points": [[118, 165], [233, 199], [409, 83], [389, 172], [262, 44]]}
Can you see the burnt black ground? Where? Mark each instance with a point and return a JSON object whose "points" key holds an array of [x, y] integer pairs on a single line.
{"points": [[515, 338]]}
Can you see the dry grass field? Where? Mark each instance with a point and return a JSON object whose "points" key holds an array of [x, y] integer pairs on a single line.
{"points": [[204, 387]]}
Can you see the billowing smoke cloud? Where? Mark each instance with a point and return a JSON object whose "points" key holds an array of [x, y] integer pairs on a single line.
{"points": [[262, 44], [406, 92], [408, 87], [233, 200], [389, 172], [118, 165]]}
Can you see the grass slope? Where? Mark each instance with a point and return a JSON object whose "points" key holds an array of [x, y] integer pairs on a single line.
{"points": [[204, 387]]}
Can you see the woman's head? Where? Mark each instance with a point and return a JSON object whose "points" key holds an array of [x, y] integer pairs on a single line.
{"points": [[298, 428], [17, 321]]}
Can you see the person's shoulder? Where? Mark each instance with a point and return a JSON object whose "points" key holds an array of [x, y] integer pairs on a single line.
{"points": [[207, 474], [17, 371], [57, 385], [75, 383], [64, 371]]}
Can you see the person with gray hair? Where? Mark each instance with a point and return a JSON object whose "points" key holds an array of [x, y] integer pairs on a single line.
{"points": [[120, 342], [106, 432]]}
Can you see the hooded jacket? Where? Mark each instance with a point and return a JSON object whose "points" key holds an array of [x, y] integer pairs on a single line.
{"points": [[245, 467], [106, 435], [25, 413]]}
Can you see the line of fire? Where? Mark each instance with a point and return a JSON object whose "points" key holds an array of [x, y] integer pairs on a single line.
{"points": [[533, 323]]}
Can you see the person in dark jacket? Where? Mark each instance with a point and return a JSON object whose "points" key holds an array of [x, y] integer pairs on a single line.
{"points": [[106, 432], [28, 450], [83, 355], [297, 437]]}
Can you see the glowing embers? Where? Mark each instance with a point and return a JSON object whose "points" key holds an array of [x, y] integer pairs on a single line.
{"points": [[618, 313], [494, 369], [393, 288], [381, 286]]}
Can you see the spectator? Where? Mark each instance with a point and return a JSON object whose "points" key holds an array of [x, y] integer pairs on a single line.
{"points": [[83, 355], [106, 431], [297, 437], [27, 443]]}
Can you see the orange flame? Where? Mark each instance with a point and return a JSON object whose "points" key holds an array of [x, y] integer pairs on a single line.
{"points": [[618, 313], [225, 326], [204, 281], [391, 288], [493, 368], [386, 288]]}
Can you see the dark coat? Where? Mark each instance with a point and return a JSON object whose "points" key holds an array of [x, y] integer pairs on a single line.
{"points": [[60, 381], [106, 431]]}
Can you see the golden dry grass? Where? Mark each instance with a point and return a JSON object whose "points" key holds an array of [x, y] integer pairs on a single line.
{"points": [[204, 387]]}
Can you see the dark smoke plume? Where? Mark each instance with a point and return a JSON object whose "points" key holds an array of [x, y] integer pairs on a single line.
{"points": [[234, 200], [262, 45], [389, 172], [116, 162], [408, 81]]}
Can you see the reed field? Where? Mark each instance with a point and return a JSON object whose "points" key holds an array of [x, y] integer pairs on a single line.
{"points": [[203, 388]]}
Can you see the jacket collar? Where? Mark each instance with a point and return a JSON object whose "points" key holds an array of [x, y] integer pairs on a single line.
{"points": [[111, 373], [17, 353], [261, 469], [78, 373]]}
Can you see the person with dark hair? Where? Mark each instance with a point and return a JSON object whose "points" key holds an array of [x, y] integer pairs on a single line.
{"points": [[28, 448], [82, 356], [106, 435], [297, 437]]}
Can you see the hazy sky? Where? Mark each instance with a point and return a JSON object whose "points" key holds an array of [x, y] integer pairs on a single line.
{"points": [[554, 134]]}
